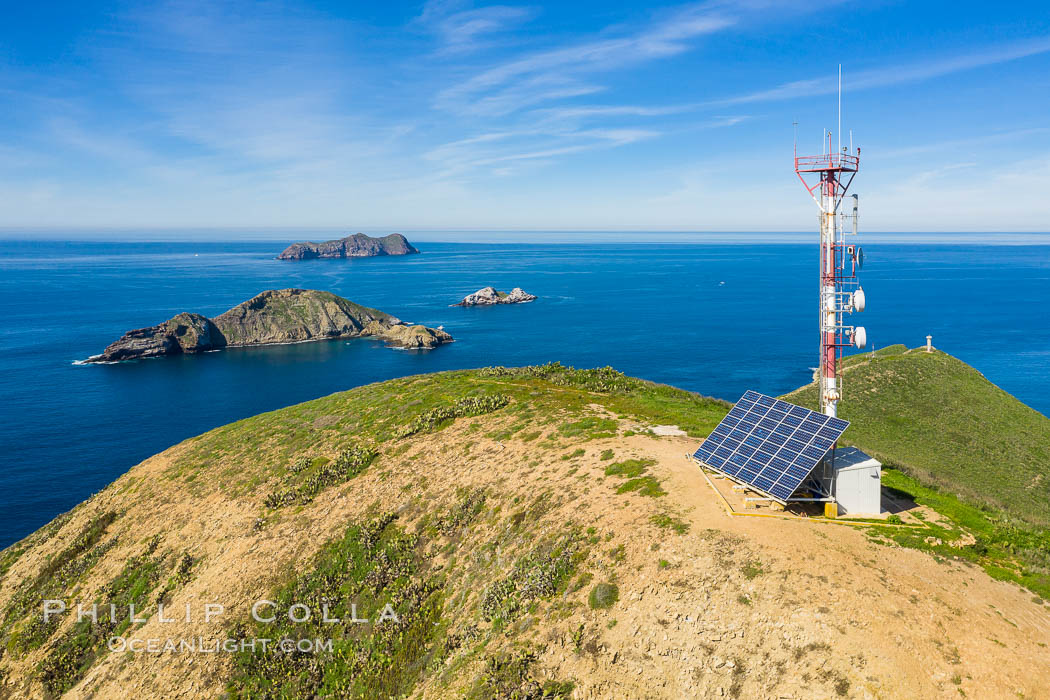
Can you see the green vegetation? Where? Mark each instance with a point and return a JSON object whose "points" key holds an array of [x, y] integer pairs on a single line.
{"points": [[241, 458], [72, 655], [546, 570], [287, 458], [23, 622], [603, 596], [372, 565], [634, 470], [951, 440], [644, 485], [440, 416], [9, 556], [604, 379], [589, 428], [581, 582], [940, 421], [752, 569], [1005, 550], [461, 514], [377, 564], [305, 480], [658, 403], [630, 468], [669, 522], [509, 676]]}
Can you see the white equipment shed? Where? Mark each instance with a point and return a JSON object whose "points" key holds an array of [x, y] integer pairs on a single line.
{"points": [[858, 482]]}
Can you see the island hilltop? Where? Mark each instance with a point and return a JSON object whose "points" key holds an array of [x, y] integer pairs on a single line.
{"points": [[537, 537], [358, 245], [274, 316]]}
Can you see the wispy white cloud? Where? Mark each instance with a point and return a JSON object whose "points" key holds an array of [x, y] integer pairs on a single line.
{"points": [[197, 113], [1008, 195], [467, 156], [953, 145], [265, 92], [461, 29], [490, 153], [896, 75], [535, 90], [532, 74], [592, 111]]}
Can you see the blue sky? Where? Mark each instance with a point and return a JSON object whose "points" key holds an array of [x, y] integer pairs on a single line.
{"points": [[457, 115]]}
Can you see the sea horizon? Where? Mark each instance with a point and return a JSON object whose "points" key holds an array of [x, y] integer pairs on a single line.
{"points": [[510, 236]]}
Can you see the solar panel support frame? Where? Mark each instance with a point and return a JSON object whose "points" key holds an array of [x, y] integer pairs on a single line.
{"points": [[815, 436], [767, 497], [746, 485]]}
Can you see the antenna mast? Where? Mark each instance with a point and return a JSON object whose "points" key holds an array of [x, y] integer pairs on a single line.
{"points": [[831, 174]]}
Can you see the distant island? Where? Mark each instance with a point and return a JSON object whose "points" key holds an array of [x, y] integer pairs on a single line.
{"points": [[487, 296], [358, 245], [274, 316]]}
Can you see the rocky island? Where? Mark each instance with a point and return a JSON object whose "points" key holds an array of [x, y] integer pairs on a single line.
{"points": [[358, 245], [488, 296], [274, 316]]}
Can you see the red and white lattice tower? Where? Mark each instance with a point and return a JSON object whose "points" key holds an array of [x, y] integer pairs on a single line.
{"points": [[829, 177]]}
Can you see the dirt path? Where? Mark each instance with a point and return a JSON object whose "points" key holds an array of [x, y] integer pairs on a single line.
{"points": [[912, 626]]}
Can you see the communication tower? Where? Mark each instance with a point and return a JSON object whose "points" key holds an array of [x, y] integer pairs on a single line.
{"points": [[827, 178]]}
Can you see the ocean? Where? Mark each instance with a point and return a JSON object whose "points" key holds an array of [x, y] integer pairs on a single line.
{"points": [[710, 317]]}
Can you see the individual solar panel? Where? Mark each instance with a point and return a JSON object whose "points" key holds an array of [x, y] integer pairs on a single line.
{"points": [[770, 444]]}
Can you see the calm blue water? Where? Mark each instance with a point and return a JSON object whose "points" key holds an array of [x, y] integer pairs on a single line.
{"points": [[712, 318]]}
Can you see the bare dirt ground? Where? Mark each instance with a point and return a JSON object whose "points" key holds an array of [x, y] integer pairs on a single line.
{"points": [[735, 607]]}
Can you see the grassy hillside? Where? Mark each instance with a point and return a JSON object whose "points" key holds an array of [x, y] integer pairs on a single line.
{"points": [[536, 539], [940, 421], [257, 495]]}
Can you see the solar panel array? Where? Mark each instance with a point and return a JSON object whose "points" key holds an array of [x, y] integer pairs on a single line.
{"points": [[770, 444]]}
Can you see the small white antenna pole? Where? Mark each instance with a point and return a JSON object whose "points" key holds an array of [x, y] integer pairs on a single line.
{"points": [[839, 128]]}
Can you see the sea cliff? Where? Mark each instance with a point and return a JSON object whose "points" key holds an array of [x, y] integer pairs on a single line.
{"points": [[274, 316]]}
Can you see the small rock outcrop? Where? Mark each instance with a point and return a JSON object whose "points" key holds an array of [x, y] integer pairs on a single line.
{"points": [[488, 296], [410, 337], [358, 245], [274, 316]]}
